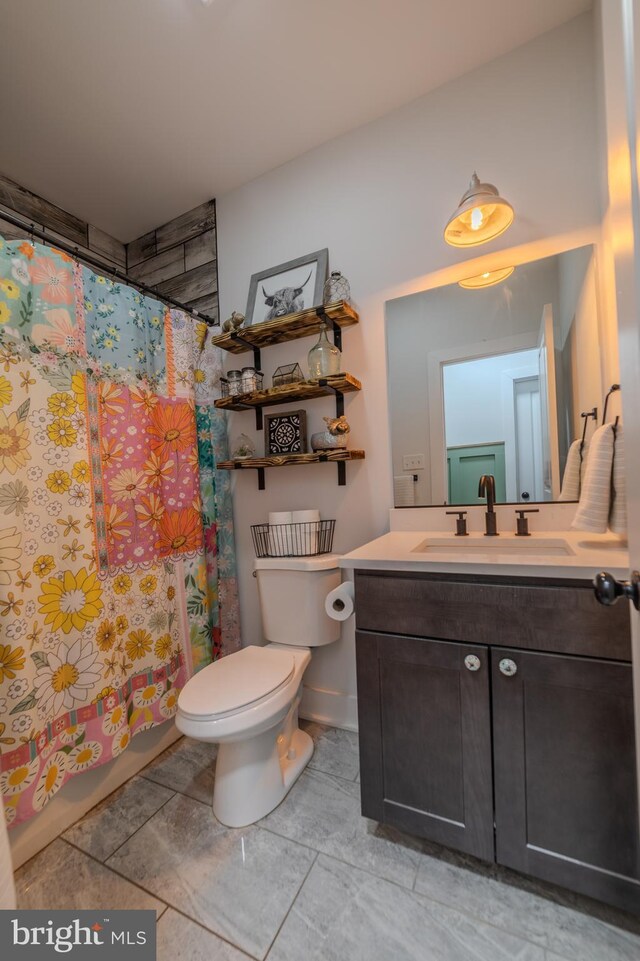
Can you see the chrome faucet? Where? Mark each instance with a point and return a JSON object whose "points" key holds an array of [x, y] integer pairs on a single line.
{"points": [[487, 488]]}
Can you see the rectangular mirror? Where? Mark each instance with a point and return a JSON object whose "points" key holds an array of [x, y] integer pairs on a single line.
{"points": [[493, 380]]}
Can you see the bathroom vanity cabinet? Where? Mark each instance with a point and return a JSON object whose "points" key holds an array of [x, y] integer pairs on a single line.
{"points": [[496, 717]]}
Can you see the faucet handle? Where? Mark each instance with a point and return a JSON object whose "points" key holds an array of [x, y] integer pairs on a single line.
{"points": [[461, 523], [522, 523]]}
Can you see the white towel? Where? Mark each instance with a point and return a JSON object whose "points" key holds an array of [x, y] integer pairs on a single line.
{"points": [[595, 497], [618, 515], [7, 888], [404, 490], [573, 472]]}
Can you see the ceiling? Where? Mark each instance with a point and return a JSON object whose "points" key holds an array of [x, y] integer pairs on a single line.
{"points": [[129, 112]]}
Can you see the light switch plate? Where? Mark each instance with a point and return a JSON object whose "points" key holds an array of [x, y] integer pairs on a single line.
{"points": [[413, 462]]}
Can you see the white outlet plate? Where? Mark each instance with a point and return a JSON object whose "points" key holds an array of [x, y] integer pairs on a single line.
{"points": [[413, 462]]}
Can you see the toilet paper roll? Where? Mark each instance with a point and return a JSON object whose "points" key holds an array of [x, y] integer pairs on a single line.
{"points": [[305, 517], [279, 517], [280, 539], [306, 537], [339, 602]]}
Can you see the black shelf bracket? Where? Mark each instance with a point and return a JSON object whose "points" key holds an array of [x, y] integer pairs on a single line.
{"points": [[260, 470], [337, 329], [258, 410], [339, 396], [342, 469], [256, 350]]}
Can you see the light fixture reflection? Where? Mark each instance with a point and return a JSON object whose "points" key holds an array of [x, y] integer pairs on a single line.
{"points": [[481, 215], [487, 279]]}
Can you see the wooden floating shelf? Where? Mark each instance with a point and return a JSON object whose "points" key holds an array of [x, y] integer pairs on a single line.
{"points": [[305, 390], [304, 323], [290, 460]]}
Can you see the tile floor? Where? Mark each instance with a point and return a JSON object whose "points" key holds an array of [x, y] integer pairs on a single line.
{"points": [[313, 881]]}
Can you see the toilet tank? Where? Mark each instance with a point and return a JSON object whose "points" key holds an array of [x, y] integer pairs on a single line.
{"points": [[292, 592]]}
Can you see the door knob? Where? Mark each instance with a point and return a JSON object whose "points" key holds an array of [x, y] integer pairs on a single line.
{"points": [[508, 667], [472, 662], [608, 589]]}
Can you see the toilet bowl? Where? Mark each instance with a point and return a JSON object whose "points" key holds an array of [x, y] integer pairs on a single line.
{"points": [[247, 702]]}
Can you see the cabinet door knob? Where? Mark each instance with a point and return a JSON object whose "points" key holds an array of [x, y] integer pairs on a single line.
{"points": [[508, 667], [472, 663]]}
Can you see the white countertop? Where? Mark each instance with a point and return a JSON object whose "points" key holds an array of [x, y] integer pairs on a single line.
{"points": [[575, 554]]}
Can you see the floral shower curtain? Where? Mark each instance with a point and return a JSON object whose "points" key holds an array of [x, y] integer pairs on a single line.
{"points": [[117, 567]]}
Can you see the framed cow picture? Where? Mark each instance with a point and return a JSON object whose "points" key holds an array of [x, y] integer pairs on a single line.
{"points": [[287, 288], [285, 433]]}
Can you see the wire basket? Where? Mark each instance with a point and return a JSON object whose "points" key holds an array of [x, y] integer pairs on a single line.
{"points": [[293, 540]]}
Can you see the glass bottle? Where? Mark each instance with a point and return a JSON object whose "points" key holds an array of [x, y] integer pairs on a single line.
{"points": [[324, 357], [336, 288]]}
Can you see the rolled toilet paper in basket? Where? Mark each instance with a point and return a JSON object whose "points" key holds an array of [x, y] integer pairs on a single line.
{"points": [[280, 543], [339, 602], [306, 538]]}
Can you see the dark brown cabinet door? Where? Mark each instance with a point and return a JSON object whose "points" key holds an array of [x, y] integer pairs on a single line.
{"points": [[425, 739], [565, 772]]}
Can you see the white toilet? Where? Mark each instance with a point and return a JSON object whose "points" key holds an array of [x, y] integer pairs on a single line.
{"points": [[248, 702]]}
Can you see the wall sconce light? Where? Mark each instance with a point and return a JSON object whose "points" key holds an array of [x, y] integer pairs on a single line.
{"points": [[487, 279], [481, 215]]}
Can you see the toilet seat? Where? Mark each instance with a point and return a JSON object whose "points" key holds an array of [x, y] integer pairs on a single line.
{"points": [[236, 682]]}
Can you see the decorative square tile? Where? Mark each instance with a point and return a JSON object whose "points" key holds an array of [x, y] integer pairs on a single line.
{"points": [[343, 912], [238, 883], [188, 766], [335, 751], [62, 877], [107, 826], [323, 812], [180, 939]]}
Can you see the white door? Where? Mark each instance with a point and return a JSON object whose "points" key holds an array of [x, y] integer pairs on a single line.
{"points": [[529, 469], [620, 25]]}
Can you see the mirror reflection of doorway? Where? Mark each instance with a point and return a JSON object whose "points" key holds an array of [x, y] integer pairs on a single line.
{"points": [[492, 417], [466, 465]]}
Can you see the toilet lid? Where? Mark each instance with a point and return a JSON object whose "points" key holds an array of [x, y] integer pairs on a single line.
{"points": [[236, 681]]}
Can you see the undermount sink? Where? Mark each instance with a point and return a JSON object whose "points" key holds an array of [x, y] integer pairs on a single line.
{"points": [[621, 544], [502, 544]]}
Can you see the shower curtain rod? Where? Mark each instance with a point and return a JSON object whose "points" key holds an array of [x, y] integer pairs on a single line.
{"points": [[34, 231]]}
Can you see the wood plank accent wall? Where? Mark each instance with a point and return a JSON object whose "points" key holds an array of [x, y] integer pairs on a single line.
{"points": [[180, 259], [58, 223]]}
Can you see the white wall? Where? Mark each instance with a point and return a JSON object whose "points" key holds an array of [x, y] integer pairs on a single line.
{"points": [[577, 298], [378, 198]]}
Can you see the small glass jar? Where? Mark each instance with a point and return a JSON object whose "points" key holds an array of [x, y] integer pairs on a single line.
{"points": [[243, 447], [234, 378], [324, 357], [248, 379], [336, 288]]}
